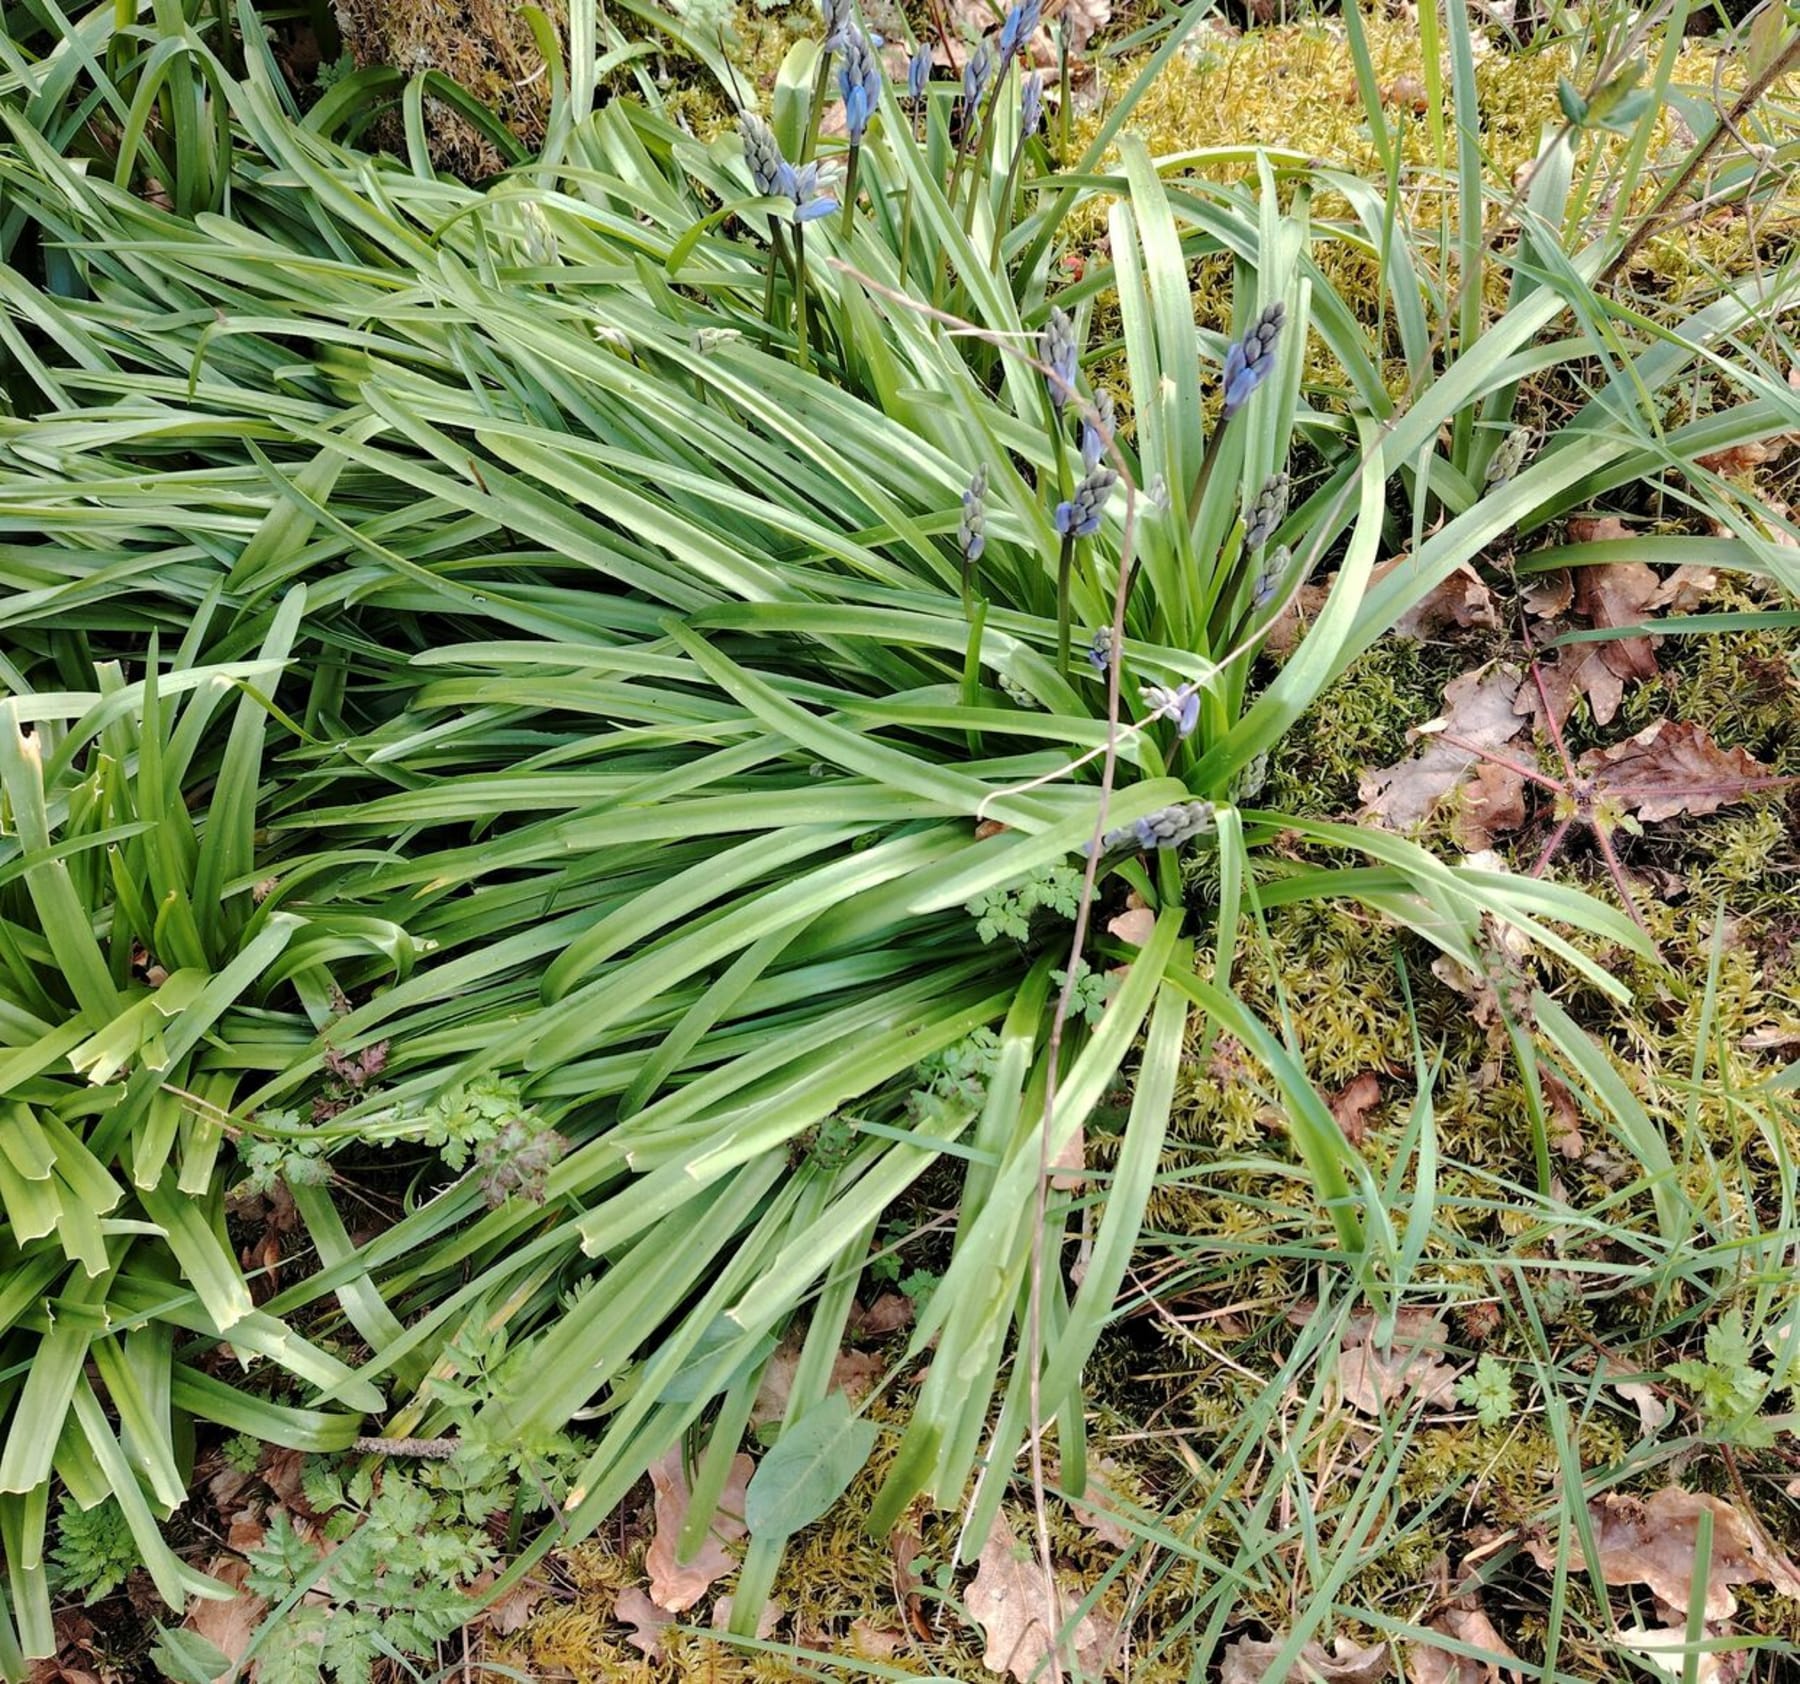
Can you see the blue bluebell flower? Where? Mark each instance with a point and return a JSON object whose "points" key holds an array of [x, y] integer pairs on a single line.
{"points": [[1031, 104], [1020, 25], [1102, 650], [1056, 346], [860, 83], [1096, 431], [1181, 705], [1079, 517], [918, 72], [761, 152], [1268, 512], [1251, 359], [808, 188], [971, 535], [839, 15], [975, 77]]}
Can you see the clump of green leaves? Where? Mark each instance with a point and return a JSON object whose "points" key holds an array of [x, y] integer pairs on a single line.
{"points": [[1087, 1000], [958, 1076], [1008, 912], [488, 1122], [1488, 1391], [1728, 1386], [297, 1159], [94, 1552]]}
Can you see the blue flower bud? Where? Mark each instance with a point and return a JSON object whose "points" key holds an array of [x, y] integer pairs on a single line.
{"points": [[1056, 346], [860, 83], [1096, 432], [1080, 516], [1020, 25], [1251, 359], [1268, 579], [971, 535], [1031, 104], [1167, 827], [1102, 650], [1269, 512], [975, 76], [918, 72], [838, 16], [761, 153]]}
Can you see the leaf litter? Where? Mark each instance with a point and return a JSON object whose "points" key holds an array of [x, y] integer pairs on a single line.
{"points": [[677, 1585], [1021, 1623]]}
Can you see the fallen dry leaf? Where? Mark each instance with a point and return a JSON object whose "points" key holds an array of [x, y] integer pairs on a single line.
{"points": [[1664, 1650], [1286, 628], [889, 1313], [1549, 594], [1351, 1105], [766, 1621], [1370, 1377], [1740, 458], [1492, 801], [1134, 926], [1068, 1169], [1687, 587], [1248, 1662], [676, 1585], [1651, 1542], [1565, 1119], [1462, 601], [1672, 767], [1620, 593], [648, 1622], [875, 1641], [512, 1611], [228, 1625], [1654, 1410], [1019, 1621], [1479, 711], [1464, 1621]]}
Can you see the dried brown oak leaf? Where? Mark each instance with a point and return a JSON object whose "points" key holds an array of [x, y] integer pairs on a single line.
{"points": [[1464, 1621], [1672, 767], [1461, 601], [678, 1585], [1492, 801], [1651, 1542], [1619, 593], [1663, 1650], [1371, 1376], [648, 1622], [228, 1625], [1352, 1103], [1480, 712], [1250, 1662], [1021, 1622]]}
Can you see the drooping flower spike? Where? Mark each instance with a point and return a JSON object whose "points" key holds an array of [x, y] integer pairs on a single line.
{"points": [[971, 534], [1096, 432], [1269, 512], [1251, 359], [918, 72], [1079, 517], [1102, 650], [1057, 347], [1167, 827], [839, 16], [1269, 577], [1031, 105], [1020, 26], [975, 77], [761, 153], [859, 81]]}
